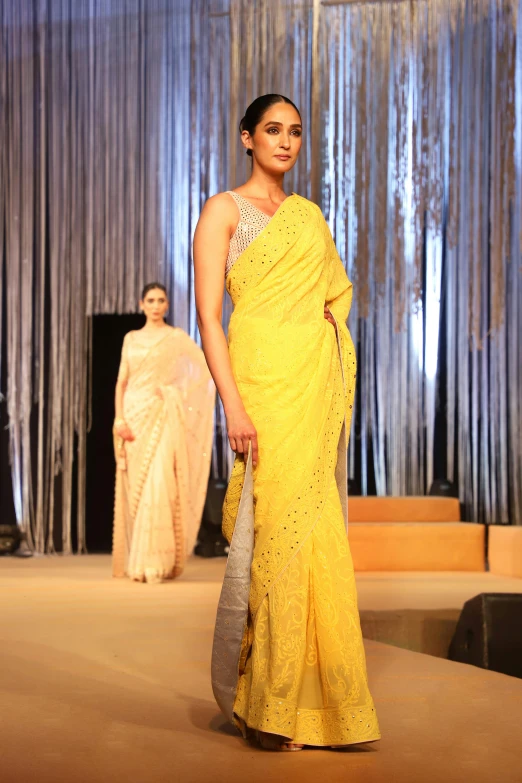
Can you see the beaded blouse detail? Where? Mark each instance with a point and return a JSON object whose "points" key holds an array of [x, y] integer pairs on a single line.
{"points": [[251, 222]]}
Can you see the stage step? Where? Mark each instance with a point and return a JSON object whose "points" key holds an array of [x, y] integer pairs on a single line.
{"points": [[505, 550], [417, 546], [422, 508]]}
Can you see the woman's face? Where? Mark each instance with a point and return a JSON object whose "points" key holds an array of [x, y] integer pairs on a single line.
{"points": [[276, 141], [155, 304]]}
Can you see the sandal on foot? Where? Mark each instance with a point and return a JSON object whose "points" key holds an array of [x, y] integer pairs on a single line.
{"points": [[274, 742]]}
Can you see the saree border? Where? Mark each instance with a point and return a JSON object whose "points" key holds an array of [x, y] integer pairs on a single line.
{"points": [[232, 612]]}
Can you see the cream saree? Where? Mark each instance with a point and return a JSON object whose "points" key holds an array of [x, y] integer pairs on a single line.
{"points": [[161, 476], [288, 656]]}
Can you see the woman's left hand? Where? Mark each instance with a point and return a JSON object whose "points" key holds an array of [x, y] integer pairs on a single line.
{"points": [[329, 317]]}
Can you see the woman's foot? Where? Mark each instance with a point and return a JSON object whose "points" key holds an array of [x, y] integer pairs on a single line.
{"points": [[153, 576], [275, 742]]}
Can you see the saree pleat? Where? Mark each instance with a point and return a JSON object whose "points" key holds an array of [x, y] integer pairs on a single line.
{"points": [[161, 476], [300, 670]]}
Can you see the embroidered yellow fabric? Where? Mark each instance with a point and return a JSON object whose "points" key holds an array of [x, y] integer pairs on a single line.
{"points": [[302, 670]]}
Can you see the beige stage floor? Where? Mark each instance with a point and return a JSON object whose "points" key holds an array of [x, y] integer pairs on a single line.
{"points": [[103, 681]]}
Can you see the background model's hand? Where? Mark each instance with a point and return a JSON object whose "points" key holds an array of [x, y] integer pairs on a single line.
{"points": [[125, 432], [241, 432], [329, 317]]}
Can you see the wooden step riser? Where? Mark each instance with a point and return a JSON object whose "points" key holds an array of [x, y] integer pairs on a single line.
{"points": [[417, 547], [505, 550], [403, 509]]}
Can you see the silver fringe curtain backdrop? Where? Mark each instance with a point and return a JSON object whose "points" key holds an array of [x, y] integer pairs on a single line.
{"points": [[118, 119]]}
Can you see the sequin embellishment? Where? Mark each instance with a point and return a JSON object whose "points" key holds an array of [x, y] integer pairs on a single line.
{"points": [[251, 222]]}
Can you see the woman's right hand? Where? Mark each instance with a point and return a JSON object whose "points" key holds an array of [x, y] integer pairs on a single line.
{"points": [[241, 432], [125, 432]]}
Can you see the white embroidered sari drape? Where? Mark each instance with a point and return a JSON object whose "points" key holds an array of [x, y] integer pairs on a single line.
{"points": [[161, 476]]}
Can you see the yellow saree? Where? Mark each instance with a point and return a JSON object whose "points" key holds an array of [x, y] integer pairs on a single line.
{"points": [[288, 656], [161, 476]]}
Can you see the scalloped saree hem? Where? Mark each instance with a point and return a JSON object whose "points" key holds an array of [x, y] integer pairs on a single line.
{"points": [[319, 728]]}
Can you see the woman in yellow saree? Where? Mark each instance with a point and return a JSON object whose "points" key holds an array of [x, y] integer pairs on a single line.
{"points": [[288, 659], [163, 440]]}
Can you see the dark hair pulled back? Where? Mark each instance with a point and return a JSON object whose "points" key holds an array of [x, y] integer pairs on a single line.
{"points": [[255, 112], [151, 287]]}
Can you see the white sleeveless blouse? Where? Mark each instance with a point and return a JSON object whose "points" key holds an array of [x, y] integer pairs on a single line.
{"points": [[251, 222]]}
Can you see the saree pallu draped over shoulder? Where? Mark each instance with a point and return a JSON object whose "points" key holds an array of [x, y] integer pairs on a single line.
{"points": [[288, 656], [161, 476]]}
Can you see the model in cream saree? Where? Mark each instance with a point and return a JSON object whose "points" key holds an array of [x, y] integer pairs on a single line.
{"points": [[288, 656], [161, 476]]}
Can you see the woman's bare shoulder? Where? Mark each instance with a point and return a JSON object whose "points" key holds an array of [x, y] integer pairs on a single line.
{"points": [[220, 214], [222, 204], [220, 207]]}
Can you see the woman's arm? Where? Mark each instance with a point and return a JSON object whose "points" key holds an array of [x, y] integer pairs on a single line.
{"points": [[211, 243], [120, 425], [121, 385]]}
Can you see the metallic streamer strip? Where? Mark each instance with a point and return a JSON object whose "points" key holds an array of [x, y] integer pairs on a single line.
{"points": [[19, 184], [430, 126], [3, 165], [412, 147]]}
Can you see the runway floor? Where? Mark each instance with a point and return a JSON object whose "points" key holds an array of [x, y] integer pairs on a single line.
{"points": [[104, 680]]}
